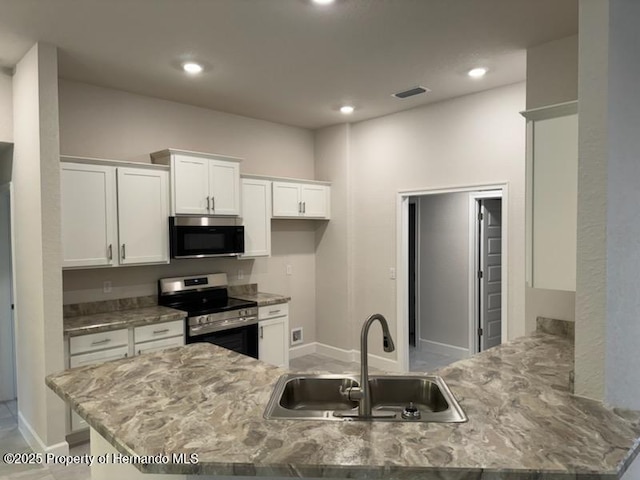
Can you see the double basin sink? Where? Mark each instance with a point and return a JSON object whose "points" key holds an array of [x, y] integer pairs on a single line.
{"points": [[416, 398]]}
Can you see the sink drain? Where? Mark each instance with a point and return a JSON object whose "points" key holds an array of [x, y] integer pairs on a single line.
{"points": [[410, 412]]}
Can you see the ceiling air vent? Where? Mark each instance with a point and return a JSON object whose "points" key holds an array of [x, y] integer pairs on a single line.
{"points": [[411, 92]]}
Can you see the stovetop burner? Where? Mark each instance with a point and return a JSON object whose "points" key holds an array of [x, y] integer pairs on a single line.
{"points": [[199, 295]]}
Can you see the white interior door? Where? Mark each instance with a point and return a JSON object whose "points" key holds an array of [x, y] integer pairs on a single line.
{"points": [[491, 267], [7, 355]]}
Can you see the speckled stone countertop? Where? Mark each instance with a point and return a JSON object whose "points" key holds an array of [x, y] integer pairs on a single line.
{"points": [[135, 317], [249, 292], [207, 400]]}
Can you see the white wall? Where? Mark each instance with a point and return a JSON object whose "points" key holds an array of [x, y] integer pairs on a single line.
{"points": [[552, 72], [476, 139], [444, 269], [106, 123], [38, 288], [6, 107], [591, 264]]}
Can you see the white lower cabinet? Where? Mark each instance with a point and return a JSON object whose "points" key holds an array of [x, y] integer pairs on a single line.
{"points": [[92, 349], [273, 334], [153, 338], [103, 347]]}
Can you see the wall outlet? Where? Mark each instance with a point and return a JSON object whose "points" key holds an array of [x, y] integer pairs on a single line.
{"points": [[240, 274], [106, 287], [392, 273], [289, 269], [296, 336]]}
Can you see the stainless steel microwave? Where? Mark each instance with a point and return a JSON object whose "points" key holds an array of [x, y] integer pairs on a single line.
{"points": [[198, 237]]}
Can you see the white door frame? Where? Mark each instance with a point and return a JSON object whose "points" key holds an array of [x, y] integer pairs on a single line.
{"points": [[402, 260], [474, 258]]}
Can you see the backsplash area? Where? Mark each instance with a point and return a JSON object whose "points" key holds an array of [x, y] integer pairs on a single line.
{"points": [[106, 306]]}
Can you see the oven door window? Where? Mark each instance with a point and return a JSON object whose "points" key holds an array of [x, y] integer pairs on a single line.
{"points": [[242, 339]]}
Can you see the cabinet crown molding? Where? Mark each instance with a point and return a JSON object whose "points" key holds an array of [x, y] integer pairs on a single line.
{"points": [[155, 156]]}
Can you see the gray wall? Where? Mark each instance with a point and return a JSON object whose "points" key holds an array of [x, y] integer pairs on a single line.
{"points": [[106, 123], [444, 269], [334, 299], [436, 146], [552, 77]]}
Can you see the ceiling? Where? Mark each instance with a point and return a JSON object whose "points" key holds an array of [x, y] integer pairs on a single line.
{"points": [[288, 61]]}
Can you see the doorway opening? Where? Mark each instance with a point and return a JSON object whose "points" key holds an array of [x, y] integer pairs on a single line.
{"points": [[485, 225], [452, 275], [7, 330]]}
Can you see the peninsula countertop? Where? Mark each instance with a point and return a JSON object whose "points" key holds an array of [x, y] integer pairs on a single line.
{"points": [[207, 400]]}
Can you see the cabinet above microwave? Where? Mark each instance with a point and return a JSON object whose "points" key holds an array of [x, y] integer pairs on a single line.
{"points": [[202, 183]]}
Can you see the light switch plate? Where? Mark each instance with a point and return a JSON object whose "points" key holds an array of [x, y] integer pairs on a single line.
{"points": [[106, 287]]}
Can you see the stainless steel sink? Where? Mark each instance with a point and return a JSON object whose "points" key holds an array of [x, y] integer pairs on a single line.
{"points": [[394, 398]]}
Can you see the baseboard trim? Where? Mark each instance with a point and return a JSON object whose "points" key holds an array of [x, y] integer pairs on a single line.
{"points": [[444, 349], [334, 352], [302, 350], [376, 361], [36, 443]]}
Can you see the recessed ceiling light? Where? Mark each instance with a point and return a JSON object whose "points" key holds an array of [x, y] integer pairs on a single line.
{"points": [[192, 67], [346, 110], [477, 72], [323, 2]]}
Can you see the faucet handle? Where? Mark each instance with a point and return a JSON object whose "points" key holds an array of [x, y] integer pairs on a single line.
{"points": [[351, 393]]}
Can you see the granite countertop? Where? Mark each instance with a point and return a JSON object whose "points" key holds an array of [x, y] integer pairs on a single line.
{"points": [[522, 419], [135, 317], [263, 299]]}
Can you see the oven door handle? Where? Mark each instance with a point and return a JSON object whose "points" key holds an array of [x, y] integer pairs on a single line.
{"points": [[221, 326]]}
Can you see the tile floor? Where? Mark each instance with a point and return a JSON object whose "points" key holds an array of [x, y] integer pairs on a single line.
{"points": [[424, 361], [12, 441]]}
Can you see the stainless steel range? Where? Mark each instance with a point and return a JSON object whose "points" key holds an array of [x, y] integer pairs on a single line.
{"points": [[214, 317]]}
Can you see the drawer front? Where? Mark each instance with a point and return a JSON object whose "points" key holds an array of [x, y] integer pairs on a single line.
{"points": [[98, 341], [158, 331], [158, 345], [273, 311], [98, 357]]}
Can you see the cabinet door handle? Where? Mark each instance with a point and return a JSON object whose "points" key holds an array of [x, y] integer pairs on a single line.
{"points": [[261, 332], [158, 332], [299, 207], [110, 252], [213, 204], [273, 312], [304, 207], [101, 342], [139, 352], [208, 205], [123, 252]]}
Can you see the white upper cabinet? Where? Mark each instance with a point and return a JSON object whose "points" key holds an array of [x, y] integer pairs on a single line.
{"points": [[112, 214], [191, 184], [202, 184], [89, 234], [143, 210], [552, 196], [256, 217], [301, 200]]}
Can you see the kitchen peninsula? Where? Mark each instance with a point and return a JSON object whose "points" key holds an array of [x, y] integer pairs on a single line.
{"points": [[209, 401]]}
